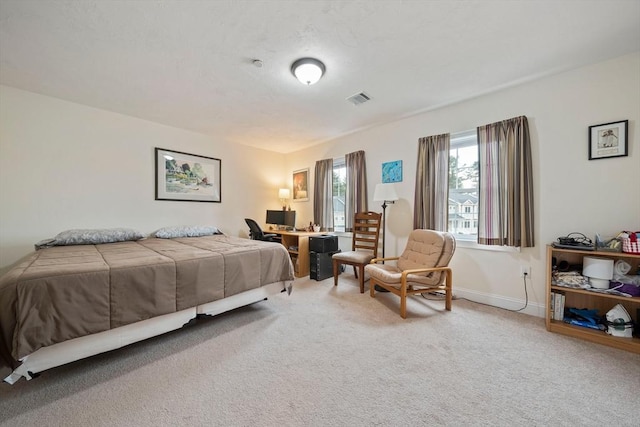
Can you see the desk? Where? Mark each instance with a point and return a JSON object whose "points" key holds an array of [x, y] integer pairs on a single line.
{"points": [[297, 243]]}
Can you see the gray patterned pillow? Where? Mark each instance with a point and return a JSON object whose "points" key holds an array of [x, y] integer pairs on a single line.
{"points": [[186, 231], [91, 237]]}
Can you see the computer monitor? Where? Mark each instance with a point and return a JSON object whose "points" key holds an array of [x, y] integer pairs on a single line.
{"points": [[290, 219], [281, 218]]}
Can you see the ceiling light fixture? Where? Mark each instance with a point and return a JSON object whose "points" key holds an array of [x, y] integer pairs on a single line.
{"points": [[308, 70]]}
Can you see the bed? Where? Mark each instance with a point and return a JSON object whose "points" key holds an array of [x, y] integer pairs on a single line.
{"points": [[66, 302]]}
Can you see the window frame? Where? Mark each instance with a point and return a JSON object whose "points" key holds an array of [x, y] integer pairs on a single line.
{"points": [[466, 139], [458, 140], [339, 163]]}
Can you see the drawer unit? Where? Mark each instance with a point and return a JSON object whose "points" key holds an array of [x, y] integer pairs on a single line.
{"points": [[321, 267]]}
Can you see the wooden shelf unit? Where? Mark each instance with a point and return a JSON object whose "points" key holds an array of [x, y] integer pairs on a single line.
{"points": [[581, 298], [299, 256]]}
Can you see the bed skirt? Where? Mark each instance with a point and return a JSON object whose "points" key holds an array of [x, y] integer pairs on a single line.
{"points": [[90, 345]]}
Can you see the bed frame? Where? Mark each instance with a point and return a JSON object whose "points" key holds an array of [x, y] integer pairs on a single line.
{"points": [[90, 345]]}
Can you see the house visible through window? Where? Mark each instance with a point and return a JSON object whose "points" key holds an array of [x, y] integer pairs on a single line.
{"points": [[339, 194], [463, 185]]}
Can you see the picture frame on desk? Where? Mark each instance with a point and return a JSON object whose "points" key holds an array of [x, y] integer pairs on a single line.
{"points": [[608, 140]]}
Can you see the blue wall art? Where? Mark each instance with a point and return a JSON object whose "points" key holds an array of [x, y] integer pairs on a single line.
{"points": [[392, 171]]}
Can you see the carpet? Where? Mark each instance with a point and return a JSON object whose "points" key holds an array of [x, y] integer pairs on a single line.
{"points": [[330, 356]]}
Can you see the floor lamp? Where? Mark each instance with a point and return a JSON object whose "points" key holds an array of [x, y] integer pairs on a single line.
{"points": [[385, 193]]}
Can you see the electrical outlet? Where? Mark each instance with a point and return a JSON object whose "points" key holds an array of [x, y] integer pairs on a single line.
{"points": [[525, 271]]}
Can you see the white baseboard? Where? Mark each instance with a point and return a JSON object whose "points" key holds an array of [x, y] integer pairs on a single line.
{"points": [[532, 309]]}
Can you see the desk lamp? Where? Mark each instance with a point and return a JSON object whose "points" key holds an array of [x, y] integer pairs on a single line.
{"points": [[284, 195]]}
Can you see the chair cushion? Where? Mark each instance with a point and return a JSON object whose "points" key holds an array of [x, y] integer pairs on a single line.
{"points": [[393, 276], [384, 272], [354, 257], [425, 248]]}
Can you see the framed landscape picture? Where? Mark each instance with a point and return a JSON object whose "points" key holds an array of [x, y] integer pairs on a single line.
{"points": [[187, 177], [301, 185], [608, 140]]}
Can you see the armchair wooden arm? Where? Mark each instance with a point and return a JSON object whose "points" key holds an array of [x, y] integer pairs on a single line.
{"points": [[377, 260], [405, 289]]}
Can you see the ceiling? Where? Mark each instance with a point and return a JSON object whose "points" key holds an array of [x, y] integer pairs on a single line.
{"points": [[189, 64]]}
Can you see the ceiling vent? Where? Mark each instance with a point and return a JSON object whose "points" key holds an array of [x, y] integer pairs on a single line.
{"points": [[358, 98]]}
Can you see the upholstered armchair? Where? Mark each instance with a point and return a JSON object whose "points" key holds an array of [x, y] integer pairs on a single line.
{"points": [[422, 267]]}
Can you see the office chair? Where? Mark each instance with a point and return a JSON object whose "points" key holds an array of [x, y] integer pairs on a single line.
{"points": [[256, 233]]}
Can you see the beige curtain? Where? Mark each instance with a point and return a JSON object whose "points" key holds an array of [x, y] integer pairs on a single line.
{"points": [[323, 194], [356, 186], [432, 183], [505, 202]]}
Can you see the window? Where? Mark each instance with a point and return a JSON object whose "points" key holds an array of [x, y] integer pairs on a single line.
{"points": [[339, 193], [463, 185]]}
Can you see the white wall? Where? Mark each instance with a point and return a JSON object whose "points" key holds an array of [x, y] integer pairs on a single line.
{"points": [[571, 192], [65, 165]]}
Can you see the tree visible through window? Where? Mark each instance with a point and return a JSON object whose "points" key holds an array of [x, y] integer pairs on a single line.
{"points": [[463, 185], [339, 194]]}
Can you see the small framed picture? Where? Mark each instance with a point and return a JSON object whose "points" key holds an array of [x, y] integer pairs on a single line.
{"points": [[301, 185], [392, 171], [608, 140]]}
